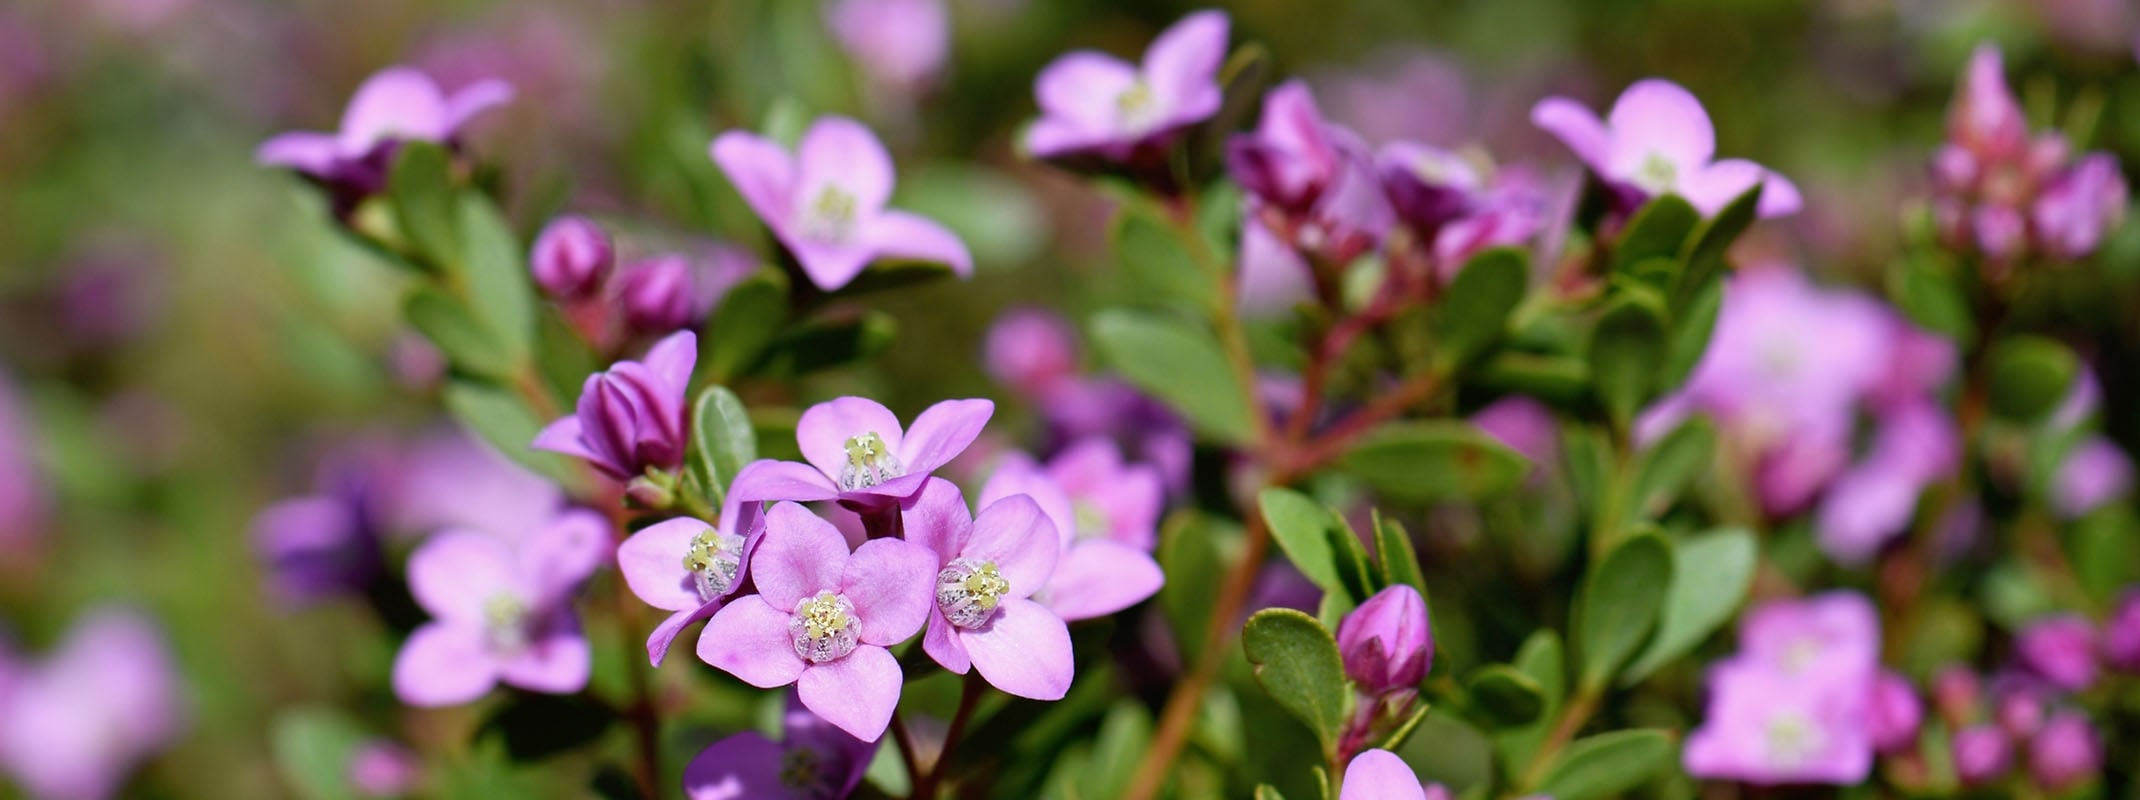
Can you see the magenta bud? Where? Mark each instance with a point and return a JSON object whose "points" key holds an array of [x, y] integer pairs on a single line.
{"points": [[572, 258], [657, 294], [2121, 634], [2020, 712], [1982, 754], [1031, 350], [1896, 713], [2065, 752], [380, 768], [2061, 649], [1387, 642]]}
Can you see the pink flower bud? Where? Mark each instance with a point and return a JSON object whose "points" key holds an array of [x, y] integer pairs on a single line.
{"points": [[1982, 754], [1387, 642], [572, 258], [2061, 649], [1030, 350], [657, 294], [2065, 752], [381, 768], [1896, 713], [2121, 634]]}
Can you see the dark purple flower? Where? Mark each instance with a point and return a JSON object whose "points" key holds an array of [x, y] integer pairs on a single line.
{"points": [[315, 547], [1094, 103], [396, 104], [572, 258], [815, 760], [631, 418], [1291, 159], [2060, 649], [2121, 634], [1388, 641], [658, 294]]}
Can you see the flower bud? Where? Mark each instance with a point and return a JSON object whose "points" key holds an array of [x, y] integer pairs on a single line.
{"points": [[572, 258], [1896, 713], [2020, 712], [657, 294], [1982, 754], [2061, 649], [1387, 642], [2121, 634], [2081, 206], [2065, 752], [380, 768], [1030, 350]]}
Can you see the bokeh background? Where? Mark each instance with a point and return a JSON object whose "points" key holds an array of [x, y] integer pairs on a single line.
{"points": [[185, 338]]}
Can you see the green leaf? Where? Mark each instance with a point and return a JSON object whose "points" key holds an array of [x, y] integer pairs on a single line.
{"points": [[1710, 578], [1474, 312], [1297, 662], [1690, 335], [1156, 261], [1617, 605], [499, 418], [1404, 730], [1608, 764], [1544, 376], [1504, 697], [420, 186], [1626, 352], [827, 342], [1304, 529], [1125, 734], [1400, 562], [2029, 375], [722, 440], [494, 268], [1433, 460], [312, 751], [1664, 470], [1658, 230], [1706, 249], [470, 346], [748, 318], [1182, 364], [1264, 791], [1588, 454], [1540, 659], [1926, 291]]}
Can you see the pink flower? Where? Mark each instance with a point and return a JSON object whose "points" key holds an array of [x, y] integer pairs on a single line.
{"points": [[1096, 574], [813, 761], [658, 294], [825, 202], [382, 768], [2080, 206], [684, 566], [1836, 630], [1873, 503], [1982, 754], [823, 617], [1985, 118], [1766, 725], [858, 453], [1093, 103], [1292, 157], [1388, 641], [1896, 713], [2095, 472], [2060, 649], [75, 724], [1109, 498], [2121, 633], [501, 611], [988, 568], [1657, 141], [631, 417], [571, 258], [2065, 752], [1031, 350], [1380, 775], [394, 105], [899, 43]]}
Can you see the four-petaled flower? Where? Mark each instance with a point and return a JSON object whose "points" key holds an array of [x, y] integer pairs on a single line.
{"points": [[501, 611], [1105, 565], [859, 455], [395, 105], [684, 566], [1094, 103], [988, 566], [813, 761], [631, 418], [825, 203], [823, 617], [1656, 141]]}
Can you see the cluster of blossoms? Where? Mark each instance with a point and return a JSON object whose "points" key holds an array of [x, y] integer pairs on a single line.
{"points": [[75, 723], [2009, 196], [575, 263], [1034, 353]]}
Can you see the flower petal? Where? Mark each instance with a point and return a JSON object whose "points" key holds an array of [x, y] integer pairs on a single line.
{"points": [[1575, 126], [657, 643], [1098, 577], [1014, 534], [443, 664], [941, 433], [767, 480], [556, 663], [936, 518], [1182, 66], [652, 561], [456, 572], [1080, 88], [840, 152], [824, 429], [829, 265], [749, 639], [741, 767], [1016, 475], [801, 555], [912, 237], [672, 359], [761, 171], [892, 584], [1659, 116], [856, 693], [1380, 775], [562, 435], [304, 151], [941, 642], [1715, 186], [395, 103], [1023, 650], [559, 557], [473, 99]]}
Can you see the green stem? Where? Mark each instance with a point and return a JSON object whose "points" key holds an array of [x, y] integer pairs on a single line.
{"points": [[1572, 717]]}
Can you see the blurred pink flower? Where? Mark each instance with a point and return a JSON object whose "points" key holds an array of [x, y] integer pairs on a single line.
{"points": [[1093, 103], [900, 44], [1656, 141], [75, 724], [501, 611]]}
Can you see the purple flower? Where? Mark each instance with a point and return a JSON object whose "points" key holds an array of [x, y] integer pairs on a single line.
{"points": [[1982, 754], [501, 611], [901, 44], [2081, 205], [1094, 103], [572, 258], [449, 479], [2060, 649], [1272, 278], [315, 547], [858, 454], [2020, 709], [1767, 725], [814, 761], [1657, 141], [631, 418], [1031, 350], [395, 105], [1834, 631], [2065, 752], [2121, 634], [73, 725], [1095, 575], [381, 768], [1428, 187], [1896, 713], [1110, 499], [1524, 424], [684, 566], [1985, 118], [1292, 158], [823, 617], [657, 294], [1388, 642], [1378, 774], [2095, 472], [1872, 503], [825, 203], [988, 567]]}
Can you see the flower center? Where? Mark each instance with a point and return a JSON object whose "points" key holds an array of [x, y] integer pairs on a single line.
{"points": [[869, 463], [1090, 519], [1657, 174], [968, 591], [1801, 653], [824, 628], [830, 216], [505, 623], [799, 770], [713, 560], [1792, 740], [1136, 108]]}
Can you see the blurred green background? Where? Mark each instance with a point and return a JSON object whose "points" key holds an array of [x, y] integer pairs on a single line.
{"points": [[188, 332]]}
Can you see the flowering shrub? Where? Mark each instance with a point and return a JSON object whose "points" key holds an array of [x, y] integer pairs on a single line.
{"points": [[1365, 467]]}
